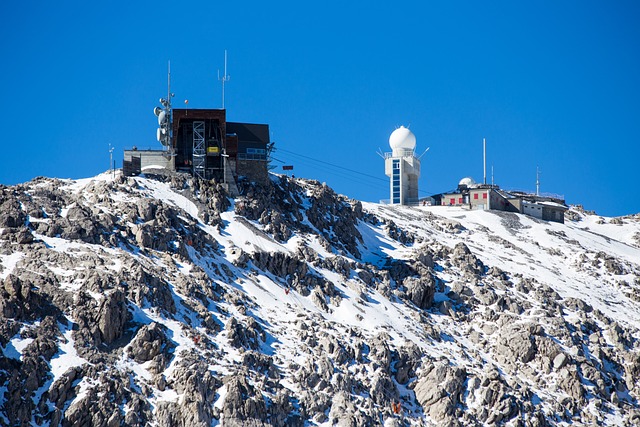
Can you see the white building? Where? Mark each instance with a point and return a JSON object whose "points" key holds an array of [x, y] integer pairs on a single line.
{"points": [[402, 167]]}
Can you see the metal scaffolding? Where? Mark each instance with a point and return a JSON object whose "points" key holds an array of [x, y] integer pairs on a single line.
{"points": [[199, 150]]}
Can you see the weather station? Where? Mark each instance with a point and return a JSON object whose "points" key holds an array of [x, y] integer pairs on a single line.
{"points": [[402, 166]]}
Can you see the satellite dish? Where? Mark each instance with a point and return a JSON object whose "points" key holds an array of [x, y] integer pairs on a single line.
{"points": [[159, 134], [161, 117], [157, 111]]}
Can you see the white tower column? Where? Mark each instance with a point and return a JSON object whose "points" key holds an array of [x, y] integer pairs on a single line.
{"points": [[402, 167]]}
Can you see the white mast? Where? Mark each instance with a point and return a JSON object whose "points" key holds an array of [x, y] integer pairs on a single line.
{"points": [[225, 77], [169, 84], [484, 158], [113, 171], [537, 181], [168, 111]]}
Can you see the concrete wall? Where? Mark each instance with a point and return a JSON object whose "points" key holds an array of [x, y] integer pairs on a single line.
{"points": [[157, 159], [553, 214], [514, 205], [409, 173], [532, 209], [411, 189], [482, 200], [452, 199]]}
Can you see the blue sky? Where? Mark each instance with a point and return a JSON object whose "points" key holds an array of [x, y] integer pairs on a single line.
{"points": [[553, 84]]}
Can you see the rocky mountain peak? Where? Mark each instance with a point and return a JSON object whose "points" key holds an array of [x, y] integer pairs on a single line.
{"points": [[160, 300]]}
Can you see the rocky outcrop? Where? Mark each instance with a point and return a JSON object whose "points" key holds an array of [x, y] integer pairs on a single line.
{"points": [[118, 307], [151, 343], [244, 406], [439, 391], [196, 384], [516, 344], [279, 206], [466, 261], [249, 335], [420, 290]]}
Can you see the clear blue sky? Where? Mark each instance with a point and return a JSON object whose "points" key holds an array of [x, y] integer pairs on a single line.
{"points": [[554, 84]]}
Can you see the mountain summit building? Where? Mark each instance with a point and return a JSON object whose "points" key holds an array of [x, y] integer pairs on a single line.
{"points": [[402, 167], [203, 143]]}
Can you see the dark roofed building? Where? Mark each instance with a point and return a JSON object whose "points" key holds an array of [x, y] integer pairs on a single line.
{"points": [[204, 144], [251, 144]]}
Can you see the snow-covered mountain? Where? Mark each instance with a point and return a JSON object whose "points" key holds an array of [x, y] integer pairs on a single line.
{"points": [[159, 301]]}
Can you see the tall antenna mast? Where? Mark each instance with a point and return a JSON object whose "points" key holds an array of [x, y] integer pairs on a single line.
{"points": [[537, 181], [164, 115], [113, 171], [484, 158], [225, 77]]}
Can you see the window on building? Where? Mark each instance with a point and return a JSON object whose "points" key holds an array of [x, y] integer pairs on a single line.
{"points": [[452, 201], [484, 195], [460, 200], [395, 196], [475, 196], [253, 154]]}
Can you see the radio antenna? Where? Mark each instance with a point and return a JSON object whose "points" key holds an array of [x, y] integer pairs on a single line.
{"points": [[484, 159], [169, 84], [111, 164], [225, 77]]}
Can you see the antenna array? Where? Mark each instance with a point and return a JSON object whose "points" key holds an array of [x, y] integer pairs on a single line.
{"points": [[164, 114]]}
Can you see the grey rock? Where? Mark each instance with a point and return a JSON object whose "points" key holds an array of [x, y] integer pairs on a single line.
{"points": [[112, 316], [420, 290], [248, 336], [560, 361], [515, 344], [439, 390]]}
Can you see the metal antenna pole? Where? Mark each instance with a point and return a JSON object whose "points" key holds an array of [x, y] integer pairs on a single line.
{"points": [[484, 158], [537, 181], [111, 160], [225, 77], [169, 129]]}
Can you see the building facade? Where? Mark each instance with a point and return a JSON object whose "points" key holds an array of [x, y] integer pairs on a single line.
{"points": [[402, 167], [485, 196], [201, 142]]}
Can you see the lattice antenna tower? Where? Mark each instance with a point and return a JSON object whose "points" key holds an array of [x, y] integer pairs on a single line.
{"points": [[225, 78]]}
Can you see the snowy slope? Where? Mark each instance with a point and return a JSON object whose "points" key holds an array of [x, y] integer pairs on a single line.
{"points": [[158, 306]]}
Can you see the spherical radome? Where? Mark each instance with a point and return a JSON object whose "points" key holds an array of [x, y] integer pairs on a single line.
{"points": [[467, 181], [402, 138]]}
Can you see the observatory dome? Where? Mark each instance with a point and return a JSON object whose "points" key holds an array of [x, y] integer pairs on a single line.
{"points": [[466, 182], [402, 138]]}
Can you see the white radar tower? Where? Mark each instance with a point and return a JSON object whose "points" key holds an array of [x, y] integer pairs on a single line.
{"points": [[402, 167]]}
